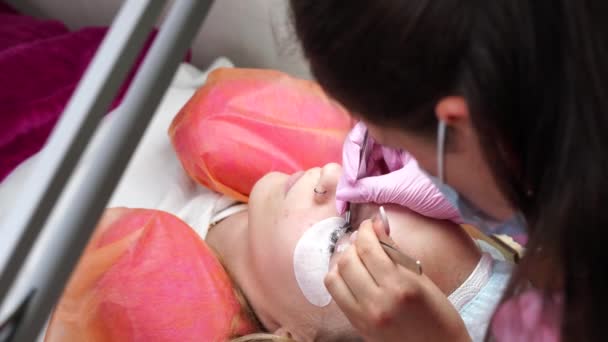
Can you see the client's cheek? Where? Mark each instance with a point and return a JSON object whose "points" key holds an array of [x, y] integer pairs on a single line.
{"points": [[295, 221]]}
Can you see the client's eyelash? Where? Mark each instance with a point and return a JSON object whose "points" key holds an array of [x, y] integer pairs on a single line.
{"points": [[336, 235]]}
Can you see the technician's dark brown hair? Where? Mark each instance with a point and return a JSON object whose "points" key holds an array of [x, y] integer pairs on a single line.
{"points": [[534, 74]]}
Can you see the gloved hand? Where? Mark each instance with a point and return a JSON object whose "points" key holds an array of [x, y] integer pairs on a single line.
{"points": [[392, 176]]}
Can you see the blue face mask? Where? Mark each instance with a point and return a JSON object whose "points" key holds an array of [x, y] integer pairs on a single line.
{"points": [[468, 212]]}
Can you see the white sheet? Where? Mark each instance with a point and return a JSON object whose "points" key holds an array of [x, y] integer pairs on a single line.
{"points": [[153, 179]]}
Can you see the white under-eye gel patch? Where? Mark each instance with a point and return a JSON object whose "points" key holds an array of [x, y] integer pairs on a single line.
{"points": [[311, 260]]}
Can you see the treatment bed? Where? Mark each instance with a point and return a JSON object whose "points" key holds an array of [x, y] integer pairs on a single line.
{"points": [[41, 240]]}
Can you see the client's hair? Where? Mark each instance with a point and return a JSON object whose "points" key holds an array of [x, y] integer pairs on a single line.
{"points": [[262, 337]]}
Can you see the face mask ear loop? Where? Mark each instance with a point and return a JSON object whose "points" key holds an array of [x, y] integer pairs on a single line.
{"points": [[441, 128]]}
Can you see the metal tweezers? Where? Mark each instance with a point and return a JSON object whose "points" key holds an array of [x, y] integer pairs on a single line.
{"points": [[395, 254], [363, 157], [402, 258]]}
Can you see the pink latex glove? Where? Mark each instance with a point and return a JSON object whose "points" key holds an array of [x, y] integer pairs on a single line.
{"points": [[393, 176]]}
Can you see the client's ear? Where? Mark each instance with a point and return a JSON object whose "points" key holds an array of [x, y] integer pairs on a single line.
{"points": [[283, 332]]}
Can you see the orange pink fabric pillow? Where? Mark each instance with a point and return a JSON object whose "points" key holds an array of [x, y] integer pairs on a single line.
{"points": [[147, 276], [244, 123]]}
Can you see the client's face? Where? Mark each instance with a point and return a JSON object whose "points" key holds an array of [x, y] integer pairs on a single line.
{"points": [[281, 209], [285, 215]]}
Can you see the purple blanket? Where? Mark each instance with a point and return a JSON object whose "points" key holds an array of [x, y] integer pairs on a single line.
{"points": [[41, 62]]}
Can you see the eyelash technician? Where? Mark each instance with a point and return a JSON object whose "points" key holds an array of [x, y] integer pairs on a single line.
{"points": [[504, 104]]}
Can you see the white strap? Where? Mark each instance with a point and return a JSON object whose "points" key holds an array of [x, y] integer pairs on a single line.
{"points": [[227, 212], [474, 283]]}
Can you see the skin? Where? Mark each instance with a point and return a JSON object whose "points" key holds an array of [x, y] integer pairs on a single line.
{"points": [[257, 249]]}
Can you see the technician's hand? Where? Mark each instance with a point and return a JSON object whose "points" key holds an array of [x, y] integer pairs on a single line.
{"points": [[404, 184], [386, 302]]}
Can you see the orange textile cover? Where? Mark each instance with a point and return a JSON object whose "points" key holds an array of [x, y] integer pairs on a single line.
{"points": [[147, 276], [244, 123]]}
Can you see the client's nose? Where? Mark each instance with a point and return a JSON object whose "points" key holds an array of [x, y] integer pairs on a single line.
{"points": [[325, 188]]}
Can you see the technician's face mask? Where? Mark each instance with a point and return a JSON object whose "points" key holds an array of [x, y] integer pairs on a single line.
{"points": [[468, 211]]}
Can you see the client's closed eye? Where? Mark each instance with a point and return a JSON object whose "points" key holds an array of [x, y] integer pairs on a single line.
{"points": [[361, 212]]}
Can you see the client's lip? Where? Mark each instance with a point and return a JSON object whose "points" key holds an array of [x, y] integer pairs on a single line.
{"points": [[292, 180]]}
